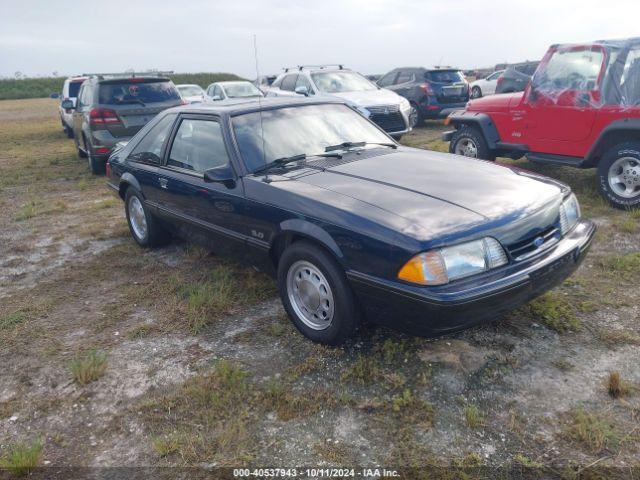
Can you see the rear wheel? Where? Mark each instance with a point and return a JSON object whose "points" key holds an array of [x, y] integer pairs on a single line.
{"points": [[476, 92], [144, 227], [316, 295], [415, 118], [468, 141], [97, 166], [619, 175]]}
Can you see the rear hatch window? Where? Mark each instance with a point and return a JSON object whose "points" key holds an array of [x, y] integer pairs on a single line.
{"points": [[136, 91], [446, 77], [136, 101]]}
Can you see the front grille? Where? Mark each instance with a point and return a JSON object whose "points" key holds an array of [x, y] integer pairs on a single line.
{"points": [[383, 109], [392, 122], [534, 244]]}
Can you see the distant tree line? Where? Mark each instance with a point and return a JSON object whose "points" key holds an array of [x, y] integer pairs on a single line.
{"points": [[43, 87]]}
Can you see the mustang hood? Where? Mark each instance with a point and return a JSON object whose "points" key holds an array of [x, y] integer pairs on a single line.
{"points": [[370, 97], [439, 192]]}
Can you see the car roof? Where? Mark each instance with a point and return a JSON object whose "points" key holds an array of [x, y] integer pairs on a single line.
{"points": [[235, 107], [188, 85], [224, 83]]}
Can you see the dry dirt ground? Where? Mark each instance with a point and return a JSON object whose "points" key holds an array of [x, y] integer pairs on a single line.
{"points": [[111, 355]]}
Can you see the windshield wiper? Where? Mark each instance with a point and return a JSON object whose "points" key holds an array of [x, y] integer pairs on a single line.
{"points": [[348, 145], [280, 162], [133, 100]]}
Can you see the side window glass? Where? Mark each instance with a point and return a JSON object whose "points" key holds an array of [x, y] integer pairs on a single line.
{"points": [[630, 81], [289, 82], [387, 79], [217, 90], [149, 150], [404, 77], [303, 81], [198, 146]]}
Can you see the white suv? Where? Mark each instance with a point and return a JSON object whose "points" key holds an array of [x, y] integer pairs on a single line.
{"points": [[388, 110], [70, 90]]}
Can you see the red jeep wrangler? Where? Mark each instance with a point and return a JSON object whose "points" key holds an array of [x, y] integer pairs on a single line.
{"points": [[581, 109]]}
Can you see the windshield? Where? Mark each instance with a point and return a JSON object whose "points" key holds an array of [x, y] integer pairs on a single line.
{"points": [[341, 81], [135, 91], [240, 90], [444, 76], [190, 91], [299, 130]]}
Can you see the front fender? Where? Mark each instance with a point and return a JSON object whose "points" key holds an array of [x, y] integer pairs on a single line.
{"points": [[313, 232], [480, 120]]}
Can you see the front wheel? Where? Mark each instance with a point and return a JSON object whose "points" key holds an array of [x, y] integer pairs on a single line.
{"points": [[316, 295], [476, 92], [144, 227], [468, 141], [619, 175]]}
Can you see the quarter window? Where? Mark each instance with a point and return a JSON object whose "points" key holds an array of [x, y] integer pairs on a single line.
{"points": [[289, 82], [198, 146], [630, 82], [149, 150]]}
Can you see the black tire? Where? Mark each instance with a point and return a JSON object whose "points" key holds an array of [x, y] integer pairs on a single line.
{"points": [[346, 313], [81, 153], [155, 234], [473, 135], [476, 92], [622, 150], [420, 119], [69, 131]]}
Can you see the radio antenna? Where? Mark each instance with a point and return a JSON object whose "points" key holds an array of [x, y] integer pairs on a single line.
{"points": [[264, 154]]}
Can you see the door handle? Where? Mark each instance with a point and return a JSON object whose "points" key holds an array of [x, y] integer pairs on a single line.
{"points": [[163, 182]]}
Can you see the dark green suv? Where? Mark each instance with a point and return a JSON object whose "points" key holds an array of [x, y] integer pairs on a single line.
{"points": [[112, 108]]}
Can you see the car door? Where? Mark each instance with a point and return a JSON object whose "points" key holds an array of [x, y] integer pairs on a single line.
{"points": [[488, 85], [563, 100], [404, 83], [82, 104], [207, 212]]}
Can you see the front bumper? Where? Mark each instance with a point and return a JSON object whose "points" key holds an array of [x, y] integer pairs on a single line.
{"points": [[431, 311]]}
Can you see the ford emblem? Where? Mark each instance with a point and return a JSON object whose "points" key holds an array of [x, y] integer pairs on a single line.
{"points": [[538, 242]]}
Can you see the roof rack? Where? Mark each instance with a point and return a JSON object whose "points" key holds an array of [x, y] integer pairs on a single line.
{"points": [[322, 66], [129, 74]]}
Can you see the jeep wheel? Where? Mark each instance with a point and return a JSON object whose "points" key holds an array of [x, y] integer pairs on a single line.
{"points": [[619, 175], [316, 295], [476, 92], [469, 142]]}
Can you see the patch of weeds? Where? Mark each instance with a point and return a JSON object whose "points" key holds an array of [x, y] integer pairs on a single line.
{"points": [[310, 364], [626, 266], [628, 225], [394, 380], [527, 462], [364, 370], [556, 312], [473, 416], [563, 364], [89, 367], [618, 337], [391, 350], [412, 408], [21, 458], [334, 453], [139, 332], [165, 446], [103, 204], [591, 430], [28, 210], [12, 319], [277, 329], [469, 461], [616, 386], [280, 398]]}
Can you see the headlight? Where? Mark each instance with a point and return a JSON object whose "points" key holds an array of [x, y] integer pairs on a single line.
{"points": [[438, 267], [569, 213], [404, 103]]}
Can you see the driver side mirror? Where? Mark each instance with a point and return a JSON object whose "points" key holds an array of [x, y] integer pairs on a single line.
{"points": [[222, 175], [68, 104], [302, 90]]}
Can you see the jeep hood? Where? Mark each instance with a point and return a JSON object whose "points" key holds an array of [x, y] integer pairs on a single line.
{"points": [[495, 103]]}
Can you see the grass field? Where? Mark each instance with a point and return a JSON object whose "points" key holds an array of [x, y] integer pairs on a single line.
{"points": [[116, 355]]}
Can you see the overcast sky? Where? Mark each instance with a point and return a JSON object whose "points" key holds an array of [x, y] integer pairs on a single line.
{"points": [[69, 36]]}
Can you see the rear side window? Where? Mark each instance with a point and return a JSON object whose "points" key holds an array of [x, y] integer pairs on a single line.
{"points": [[289, 82], [198, 146], [444, 76], [388, 79], [74, 88], [404, 77], [149, 150], [131, 92]]}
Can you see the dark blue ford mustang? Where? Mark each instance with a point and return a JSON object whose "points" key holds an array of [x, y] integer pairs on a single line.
{"points": [[353, 225]]}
